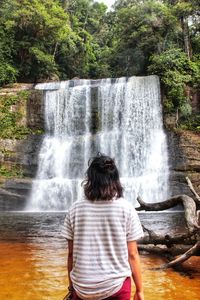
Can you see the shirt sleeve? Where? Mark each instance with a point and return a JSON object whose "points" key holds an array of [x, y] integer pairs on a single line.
{"points": [[134, 227], [66, 230]]}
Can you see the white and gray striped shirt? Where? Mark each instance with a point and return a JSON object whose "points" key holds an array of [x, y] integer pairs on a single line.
{"points": [[100, 231]]}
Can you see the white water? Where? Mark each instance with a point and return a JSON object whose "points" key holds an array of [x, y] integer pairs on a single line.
{"points": [[130, 129]]}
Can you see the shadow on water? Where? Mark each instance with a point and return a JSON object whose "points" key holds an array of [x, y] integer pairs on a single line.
{"points": [[33, 259]]}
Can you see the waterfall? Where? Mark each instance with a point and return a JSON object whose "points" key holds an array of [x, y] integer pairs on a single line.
{"points": [[121, 118]]}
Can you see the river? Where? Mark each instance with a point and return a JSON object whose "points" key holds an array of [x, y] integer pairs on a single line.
{"points": [[33, 259]]}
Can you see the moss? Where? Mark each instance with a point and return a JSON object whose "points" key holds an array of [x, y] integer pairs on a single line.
{"points": [[6, 153], [9, 172], [191, 123], [38, 131], [12, 112], [187, 120], [168, 106]]}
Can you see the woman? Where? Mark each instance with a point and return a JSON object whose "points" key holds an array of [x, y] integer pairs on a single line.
{"points": [[102, 230]]}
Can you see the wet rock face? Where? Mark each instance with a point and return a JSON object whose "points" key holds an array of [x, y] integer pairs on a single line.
{"points": [[23, 109], [22, 154], [27, 102], [19, 155], [14, 194], [35, 110], [184, 160]]}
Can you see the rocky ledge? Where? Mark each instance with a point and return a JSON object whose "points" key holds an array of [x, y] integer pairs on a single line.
{"points": [[14, 194]]}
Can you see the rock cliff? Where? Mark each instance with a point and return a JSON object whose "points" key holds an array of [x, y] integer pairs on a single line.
{"points": [[184, 160]]}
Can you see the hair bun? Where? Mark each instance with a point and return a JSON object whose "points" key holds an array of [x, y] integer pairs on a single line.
{"points": [[102, 163], [108, 164]]}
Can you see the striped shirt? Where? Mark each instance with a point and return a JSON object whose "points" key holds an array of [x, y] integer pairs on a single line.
{"points": [[100, 231]]}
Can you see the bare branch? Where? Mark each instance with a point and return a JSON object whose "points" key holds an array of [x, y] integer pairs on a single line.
{"points": [[163, 250], [197, 197], [192, 251]]}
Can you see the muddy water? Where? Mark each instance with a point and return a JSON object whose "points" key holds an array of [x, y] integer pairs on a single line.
{"points": [[33, 260]]}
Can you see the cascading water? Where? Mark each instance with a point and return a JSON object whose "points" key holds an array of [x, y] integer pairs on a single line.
{"points": [[121, 118]]}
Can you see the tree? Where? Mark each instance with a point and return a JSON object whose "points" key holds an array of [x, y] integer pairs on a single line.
{"points": [[87, 21], [8, 72], [176, 72], [37, 29], [143, 28]]}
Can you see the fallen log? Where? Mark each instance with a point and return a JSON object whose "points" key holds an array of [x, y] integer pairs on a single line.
{"points": [[168, 240], [163, 250], [170, 245], [188, 203]]}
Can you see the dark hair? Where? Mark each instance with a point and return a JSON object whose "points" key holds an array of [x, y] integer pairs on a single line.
{"points": [[102, 179]]}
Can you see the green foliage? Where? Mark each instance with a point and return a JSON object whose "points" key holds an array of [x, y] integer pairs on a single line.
{"points": [[48, 39], [36, 28], [191, 123], [11, 115], [186, 109], [195, 65], [9, 172], [45, 62], [176, 72], [8, 73], [62, 39], [83, 55], [6, 152], [12, 112], [141, 30], [168, 106]]}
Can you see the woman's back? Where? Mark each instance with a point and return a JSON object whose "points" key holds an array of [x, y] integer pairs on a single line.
{"points": [[100, 231]]}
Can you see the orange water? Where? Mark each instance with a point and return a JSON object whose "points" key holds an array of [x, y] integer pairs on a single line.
{"points": [[36, 270]]}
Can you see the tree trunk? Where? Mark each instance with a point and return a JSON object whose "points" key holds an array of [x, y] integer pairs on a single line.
{"points": [[186, 37]]}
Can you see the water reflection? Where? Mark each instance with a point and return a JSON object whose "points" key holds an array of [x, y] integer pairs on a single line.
{"points": [[33, 263], [32, 271]]}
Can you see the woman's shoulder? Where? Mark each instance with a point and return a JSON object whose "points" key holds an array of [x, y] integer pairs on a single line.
{"points": [[123, 202], [119, 202], [78, 203]]}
